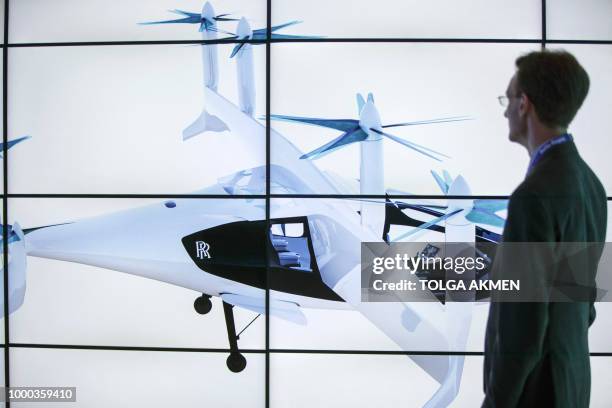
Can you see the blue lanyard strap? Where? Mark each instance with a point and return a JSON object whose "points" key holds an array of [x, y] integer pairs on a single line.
{"points": [[544, 147]]}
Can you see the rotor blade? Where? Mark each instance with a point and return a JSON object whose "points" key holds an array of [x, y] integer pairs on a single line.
{"points": [[413, 146], [484, 217], [185, 13], [424, 208], [290, 23], [412, 143], [441, 207], [353, 136], [443, 186], [236, 49], [491, 205], [232, 36], [427, 225], [262, 33], [344, 125], [294, 37], [13, 142], [224, 17], [426, 122], [427, 209], [188, 20]]}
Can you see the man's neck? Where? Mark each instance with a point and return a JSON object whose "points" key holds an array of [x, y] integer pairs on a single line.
{"points": [[539, 134]]}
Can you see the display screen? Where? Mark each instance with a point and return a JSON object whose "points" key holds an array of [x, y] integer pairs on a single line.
{"points": [[188, 185]]}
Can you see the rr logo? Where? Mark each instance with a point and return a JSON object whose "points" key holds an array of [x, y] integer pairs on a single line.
{"points": [[202, 249]]}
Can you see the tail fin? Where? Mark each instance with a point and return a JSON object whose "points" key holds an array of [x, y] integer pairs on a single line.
{"points": [[204, 122], [16, 267]]}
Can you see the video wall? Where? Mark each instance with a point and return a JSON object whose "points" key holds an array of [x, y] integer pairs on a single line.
{"points": [[187, 185]]}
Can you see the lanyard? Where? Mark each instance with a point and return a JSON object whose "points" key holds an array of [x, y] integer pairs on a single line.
{"points": [[564, 138]]}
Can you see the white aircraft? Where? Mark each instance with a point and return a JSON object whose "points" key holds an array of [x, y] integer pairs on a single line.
{"points": [[310, 249]]}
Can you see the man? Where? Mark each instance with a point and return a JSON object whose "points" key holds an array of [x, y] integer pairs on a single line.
{"points": [[536, 353]]}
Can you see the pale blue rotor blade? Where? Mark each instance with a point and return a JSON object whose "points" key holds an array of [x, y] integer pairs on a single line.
{"points": [[294, 37], [203, 26], [232, 36], [426, 225], [236, 49], [344, 125], [443, 186], [186, 13], [491, 205], [484, 217], [224, 17], [427, 122], [262, 33], [433, 206], [353, 136], [447, 178], [413, 146], [360, 103], [186, 20], [12, 143], [290, 23]]}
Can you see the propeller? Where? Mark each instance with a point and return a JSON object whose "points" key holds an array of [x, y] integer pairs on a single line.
{"points": [[477, 211], [206, 19], [481, 211], [366, 127], [244, 33]]}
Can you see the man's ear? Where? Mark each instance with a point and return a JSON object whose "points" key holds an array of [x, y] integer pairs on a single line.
{"points": [[524, 105]]}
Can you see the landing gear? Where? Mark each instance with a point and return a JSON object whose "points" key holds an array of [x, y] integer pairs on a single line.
{"points": [[235, 361], [202, 304]]}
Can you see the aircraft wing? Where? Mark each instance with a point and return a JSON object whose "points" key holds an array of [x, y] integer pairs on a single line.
{"points": [[253, 135]]}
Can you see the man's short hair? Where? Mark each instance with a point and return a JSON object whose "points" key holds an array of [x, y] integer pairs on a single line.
{"points": [[555, 83]]}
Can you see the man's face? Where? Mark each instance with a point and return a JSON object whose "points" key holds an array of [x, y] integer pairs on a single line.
{"points": [[516, 119]]}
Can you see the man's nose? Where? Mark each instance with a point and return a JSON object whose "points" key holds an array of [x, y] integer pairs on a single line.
{"points": [[506, 113]]}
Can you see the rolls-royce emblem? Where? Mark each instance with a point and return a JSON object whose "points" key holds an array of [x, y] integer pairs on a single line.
{"points": [[202, 249]]}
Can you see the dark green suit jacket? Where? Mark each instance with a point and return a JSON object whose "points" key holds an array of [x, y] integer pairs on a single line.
{"points": [[537, 353]]}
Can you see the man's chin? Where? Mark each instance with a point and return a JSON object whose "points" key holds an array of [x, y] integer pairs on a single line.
{"points": [[513, 137]]}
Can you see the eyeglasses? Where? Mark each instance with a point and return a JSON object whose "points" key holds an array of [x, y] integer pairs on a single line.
{"points": [[505, 100]]}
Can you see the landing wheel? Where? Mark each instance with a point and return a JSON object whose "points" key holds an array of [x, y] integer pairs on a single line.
{"points": [[202, 304], [236, 362]]}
